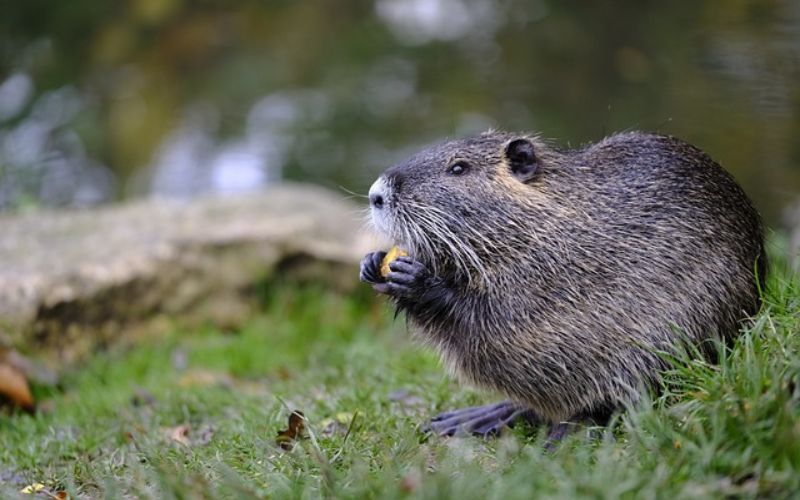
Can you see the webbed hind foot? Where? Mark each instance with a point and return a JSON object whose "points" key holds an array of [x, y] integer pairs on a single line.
{"points": [[481, 421]]}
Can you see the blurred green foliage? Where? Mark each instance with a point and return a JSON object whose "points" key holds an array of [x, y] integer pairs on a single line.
{"points": [[334, 92]]}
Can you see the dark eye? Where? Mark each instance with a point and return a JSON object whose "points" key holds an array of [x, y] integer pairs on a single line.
{"points": [[458, 168]]}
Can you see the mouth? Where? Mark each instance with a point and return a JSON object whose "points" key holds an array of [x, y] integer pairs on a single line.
{"points": [[382, 222]]}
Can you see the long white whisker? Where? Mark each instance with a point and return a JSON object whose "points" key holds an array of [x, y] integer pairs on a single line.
{"points": [[352, 194], [464, 256]]}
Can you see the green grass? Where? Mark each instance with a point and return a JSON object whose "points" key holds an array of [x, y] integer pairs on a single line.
{"points": [[731, 429]]}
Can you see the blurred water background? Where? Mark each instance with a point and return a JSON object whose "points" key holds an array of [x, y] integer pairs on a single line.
{"points": [[102, 101]]}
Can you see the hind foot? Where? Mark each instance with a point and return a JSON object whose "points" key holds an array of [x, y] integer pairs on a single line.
{"points": [[481, 421]]}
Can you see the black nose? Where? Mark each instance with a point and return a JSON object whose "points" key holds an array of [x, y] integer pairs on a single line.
{"points": [[376, 200]]}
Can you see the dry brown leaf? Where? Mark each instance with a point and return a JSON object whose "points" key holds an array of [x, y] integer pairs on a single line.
{"points": [[185, 435], [179, 434], [287, 437], [14, 387]]}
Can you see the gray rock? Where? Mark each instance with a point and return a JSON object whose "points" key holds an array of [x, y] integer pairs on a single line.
{"points": [[77, 280]]}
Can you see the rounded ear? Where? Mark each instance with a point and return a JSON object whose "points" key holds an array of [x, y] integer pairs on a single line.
{"points": [[521, 158]]}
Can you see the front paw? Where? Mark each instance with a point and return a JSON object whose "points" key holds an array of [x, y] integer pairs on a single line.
{"points": [[371, 268], [407, 279]]}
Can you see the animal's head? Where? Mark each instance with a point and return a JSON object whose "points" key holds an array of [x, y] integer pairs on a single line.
{"points": [[450, 203]]}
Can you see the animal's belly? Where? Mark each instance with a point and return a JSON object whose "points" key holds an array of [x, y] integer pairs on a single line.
{"points": [[556, 384]]}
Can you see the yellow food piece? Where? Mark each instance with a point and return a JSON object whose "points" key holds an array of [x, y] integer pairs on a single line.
{"points": [[391, 255]]}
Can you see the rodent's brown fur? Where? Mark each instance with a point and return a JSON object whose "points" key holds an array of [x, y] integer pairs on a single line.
{"points": [[567, 286]]}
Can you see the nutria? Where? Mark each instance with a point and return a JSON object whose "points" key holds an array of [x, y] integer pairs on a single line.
{"points": [[559, 278]]}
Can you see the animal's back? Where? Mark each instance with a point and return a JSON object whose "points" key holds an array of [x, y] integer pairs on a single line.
{"points": [[680, 225]]}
